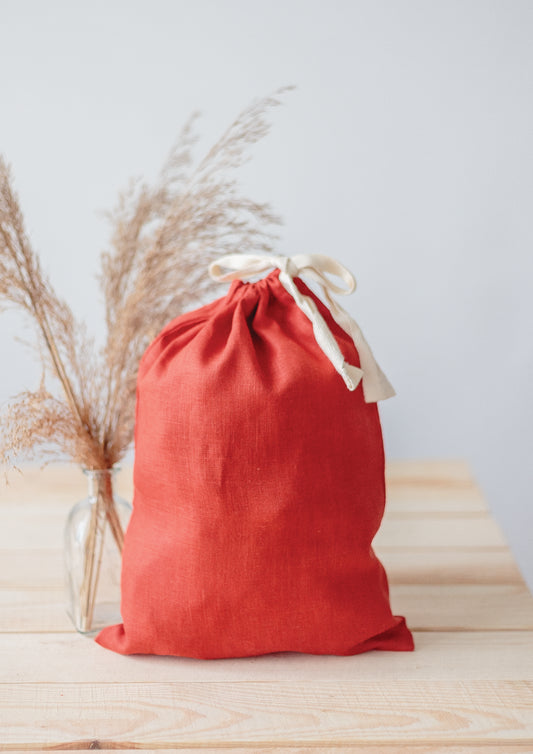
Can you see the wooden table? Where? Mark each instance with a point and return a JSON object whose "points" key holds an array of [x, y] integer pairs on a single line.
{"points": [[467, 687]]}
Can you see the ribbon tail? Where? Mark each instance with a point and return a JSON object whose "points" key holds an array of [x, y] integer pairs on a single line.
{"points": [[376, 386], [351, 375], [354, 374]]}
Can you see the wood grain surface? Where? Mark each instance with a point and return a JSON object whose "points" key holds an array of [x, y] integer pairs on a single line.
{"points": [[467, 687]]}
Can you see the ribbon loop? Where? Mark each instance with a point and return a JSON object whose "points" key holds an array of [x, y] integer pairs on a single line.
{"points": [[318, 267]]}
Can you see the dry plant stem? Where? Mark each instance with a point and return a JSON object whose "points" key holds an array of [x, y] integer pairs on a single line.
{"points": [[40, 316], [49, 340], [111, 512], [88, 583], [94, 546], [97, 574]]}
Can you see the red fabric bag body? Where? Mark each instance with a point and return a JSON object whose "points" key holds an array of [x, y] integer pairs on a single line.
{"points": [[258, 489]]}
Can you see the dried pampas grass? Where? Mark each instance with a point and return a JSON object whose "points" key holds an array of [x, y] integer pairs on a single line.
{"points": [[163, 237]]}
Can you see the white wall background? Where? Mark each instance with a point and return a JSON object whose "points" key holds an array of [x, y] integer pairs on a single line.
{"points": [[406, 152]]}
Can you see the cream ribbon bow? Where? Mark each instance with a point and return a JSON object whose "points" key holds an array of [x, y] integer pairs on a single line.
{"points": [[376, 386]]}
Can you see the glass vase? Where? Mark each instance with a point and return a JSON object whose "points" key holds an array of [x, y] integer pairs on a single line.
{"points": [[94, 536]]}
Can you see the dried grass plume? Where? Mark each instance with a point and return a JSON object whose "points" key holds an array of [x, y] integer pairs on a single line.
{"points": [[163, 237]]}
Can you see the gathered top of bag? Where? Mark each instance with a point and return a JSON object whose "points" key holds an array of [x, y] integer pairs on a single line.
{"points": [[317, 267]]}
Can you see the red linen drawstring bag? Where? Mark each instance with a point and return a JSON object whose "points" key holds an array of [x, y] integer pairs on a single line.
{"points": [[259, 477]]}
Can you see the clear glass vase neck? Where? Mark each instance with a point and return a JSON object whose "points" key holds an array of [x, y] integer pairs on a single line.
{"points": [[100, 481]]}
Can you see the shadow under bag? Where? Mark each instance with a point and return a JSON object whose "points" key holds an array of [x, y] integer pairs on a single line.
{"points": [[259, 477]]}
